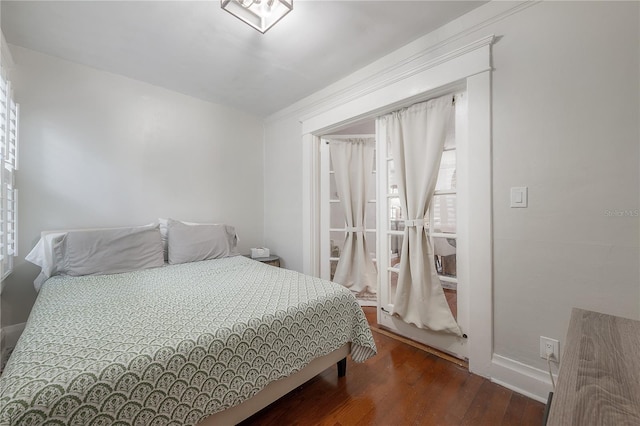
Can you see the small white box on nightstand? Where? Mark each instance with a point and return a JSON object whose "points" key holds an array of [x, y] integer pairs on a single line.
{"points": [[259, 252]]}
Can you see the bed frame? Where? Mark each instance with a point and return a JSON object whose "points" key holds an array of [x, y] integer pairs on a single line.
{"points": [[275, 390]]}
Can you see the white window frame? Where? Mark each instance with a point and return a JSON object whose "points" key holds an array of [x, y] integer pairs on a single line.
{"points": [[9, 125]]}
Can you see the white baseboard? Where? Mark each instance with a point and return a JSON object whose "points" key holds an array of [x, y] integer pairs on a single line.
{"points": [[522, 378]]}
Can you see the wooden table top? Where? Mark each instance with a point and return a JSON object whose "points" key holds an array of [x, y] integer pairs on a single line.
{"points": [[599, 379]]}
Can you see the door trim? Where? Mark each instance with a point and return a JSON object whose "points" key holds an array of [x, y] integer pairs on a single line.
{"points": [[472, 68]]}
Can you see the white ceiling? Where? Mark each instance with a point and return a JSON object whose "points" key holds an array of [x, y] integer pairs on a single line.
{"points": [[196, 48]]}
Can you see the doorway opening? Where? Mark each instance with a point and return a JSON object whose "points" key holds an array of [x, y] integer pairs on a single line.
{"points": [[441, 226], [467, 68], [349, 210], [385, 225]]}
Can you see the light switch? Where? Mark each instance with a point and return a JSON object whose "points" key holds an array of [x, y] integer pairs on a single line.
{"points": [[519, 197]]}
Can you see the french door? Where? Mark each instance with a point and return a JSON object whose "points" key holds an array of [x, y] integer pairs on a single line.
{"points": [[443, 229], [332, 217]]}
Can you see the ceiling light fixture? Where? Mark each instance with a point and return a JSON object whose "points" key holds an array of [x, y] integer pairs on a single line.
{"points": [[260, 14]]}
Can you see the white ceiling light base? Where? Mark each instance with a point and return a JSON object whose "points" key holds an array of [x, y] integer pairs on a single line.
{"points": [[260, 14]]}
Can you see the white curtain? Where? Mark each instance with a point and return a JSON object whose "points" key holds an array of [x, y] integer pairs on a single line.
{"points": [[353, 166], [416, 136]]}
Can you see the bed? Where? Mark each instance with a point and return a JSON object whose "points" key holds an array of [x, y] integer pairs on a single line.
{"points": [[203, 342]]}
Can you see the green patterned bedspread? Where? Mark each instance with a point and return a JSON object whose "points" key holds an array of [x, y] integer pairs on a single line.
{"points": [[171, 345]]}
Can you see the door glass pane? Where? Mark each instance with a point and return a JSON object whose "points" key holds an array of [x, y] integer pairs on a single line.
{"points": [[334, 265], [444, 250], [395, 249], [397, 225], [393, 285], [444, 213], [336, 243], [337, 216], [392, 187], [452, 300], [396, 215], [447, 172]]}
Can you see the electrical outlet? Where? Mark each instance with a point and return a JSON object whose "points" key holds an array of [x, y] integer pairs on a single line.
{"points": [[551, 346]]}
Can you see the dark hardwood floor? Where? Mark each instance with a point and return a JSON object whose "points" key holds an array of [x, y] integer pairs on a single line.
{"points": [[401, 385]]}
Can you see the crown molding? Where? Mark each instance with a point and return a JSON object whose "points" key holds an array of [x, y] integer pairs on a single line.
{"points": [[416, 59], [393, 75]]}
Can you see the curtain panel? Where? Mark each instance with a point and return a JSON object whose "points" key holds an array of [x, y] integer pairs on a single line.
{"points": [[416, 137], [353, 166]]}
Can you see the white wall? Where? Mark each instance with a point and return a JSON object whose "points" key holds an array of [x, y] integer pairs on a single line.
{"points": [[283, 183], [565, 124], [97, 149], [566, 108]]}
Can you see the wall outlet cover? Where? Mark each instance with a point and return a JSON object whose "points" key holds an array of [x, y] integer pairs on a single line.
{"points": [[553, 344]]}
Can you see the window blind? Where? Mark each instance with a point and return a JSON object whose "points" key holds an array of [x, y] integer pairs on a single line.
{"points": [[9, 113]]}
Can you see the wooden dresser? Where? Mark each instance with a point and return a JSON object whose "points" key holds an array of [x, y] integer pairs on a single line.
{"points": [[599, 378]]}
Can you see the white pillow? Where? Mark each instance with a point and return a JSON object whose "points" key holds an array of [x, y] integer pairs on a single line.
{"points": [[48, 253], [164, 229], [110, 251], [194, 242], [43, 256]]}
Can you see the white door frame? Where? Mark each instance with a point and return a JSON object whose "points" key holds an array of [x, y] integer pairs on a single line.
{"points": [[469, 65]]}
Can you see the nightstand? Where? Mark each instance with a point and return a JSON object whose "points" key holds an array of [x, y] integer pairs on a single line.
{"points": [[272, 260]]}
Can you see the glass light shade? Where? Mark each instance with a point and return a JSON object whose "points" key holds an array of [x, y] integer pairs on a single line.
{"points": [[260, 14]]}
